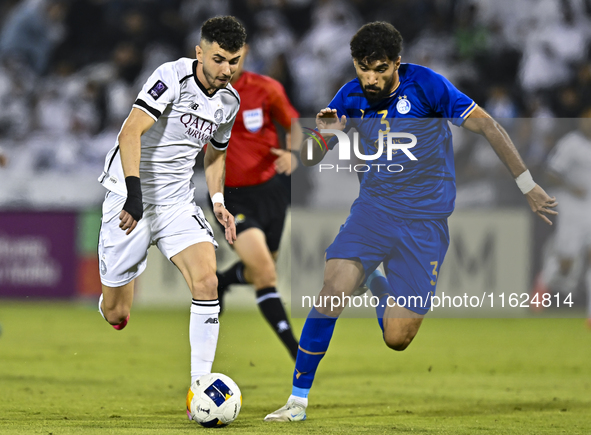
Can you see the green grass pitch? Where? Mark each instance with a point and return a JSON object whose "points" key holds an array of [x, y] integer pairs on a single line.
{"points": [[63, 370]]}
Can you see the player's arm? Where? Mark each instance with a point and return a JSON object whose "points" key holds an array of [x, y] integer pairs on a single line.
{"points": [[214, 164], [130, 147], [283, 113], [325, 119], [482, 123], [286, 161]]}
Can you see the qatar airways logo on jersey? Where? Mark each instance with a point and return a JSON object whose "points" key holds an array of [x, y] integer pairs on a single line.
{"points": [[198, 128], [390, 143]]}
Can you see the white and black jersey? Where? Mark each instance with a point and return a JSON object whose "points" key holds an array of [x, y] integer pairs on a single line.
{"points": [[187, 118], [571, 161]]}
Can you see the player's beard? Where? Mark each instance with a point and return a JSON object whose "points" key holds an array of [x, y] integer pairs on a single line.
{"points": [[211, 79], [381, 93]]}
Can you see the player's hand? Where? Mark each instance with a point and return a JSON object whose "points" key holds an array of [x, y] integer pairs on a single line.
{"points": [[225, 218], [133, 209], [3, 160], [127, 222], [286, 161], [541, 204], [328, 118]]}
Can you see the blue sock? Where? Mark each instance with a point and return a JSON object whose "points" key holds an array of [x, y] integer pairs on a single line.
{"points": [[314, 342], [378, 284]]}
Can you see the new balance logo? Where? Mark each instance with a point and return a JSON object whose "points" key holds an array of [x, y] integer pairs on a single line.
{"points": [[213, 320], [194, 106]]}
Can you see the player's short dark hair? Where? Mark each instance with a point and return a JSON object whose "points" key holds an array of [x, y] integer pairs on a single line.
{"points": [[227, 31], [376, 41]]}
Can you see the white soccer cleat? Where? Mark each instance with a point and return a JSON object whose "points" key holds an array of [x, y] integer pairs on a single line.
{"points": [[292, 411]]}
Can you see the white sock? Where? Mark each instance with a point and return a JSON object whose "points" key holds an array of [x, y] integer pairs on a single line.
{"points": [[301, 400], [204, 329], [100, 309]]}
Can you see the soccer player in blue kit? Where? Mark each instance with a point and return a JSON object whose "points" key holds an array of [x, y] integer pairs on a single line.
{"points": [[399, 218]]}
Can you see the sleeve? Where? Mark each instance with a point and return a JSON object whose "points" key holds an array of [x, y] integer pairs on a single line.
{"points": [[445, 99], [221, 137], [281, 109], [161, 89]]}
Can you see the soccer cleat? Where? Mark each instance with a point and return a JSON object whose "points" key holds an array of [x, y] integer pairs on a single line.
{"points": [[189, 399], [292, 411], [122, 325]]}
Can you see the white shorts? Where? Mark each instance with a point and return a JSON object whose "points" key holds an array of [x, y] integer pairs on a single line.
{"points": [[172, 228]]}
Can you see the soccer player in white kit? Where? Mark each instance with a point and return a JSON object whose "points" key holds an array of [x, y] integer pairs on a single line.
{"points": [[183, 106], [570, 165]]}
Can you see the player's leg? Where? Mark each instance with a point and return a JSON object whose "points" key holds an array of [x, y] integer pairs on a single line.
{"points": [[412, 269], [185, 237], [197, 264], [122, 258], [399, 325], [560, 274], [361, 245], [115, 304], [251, 247], [341, 278]]}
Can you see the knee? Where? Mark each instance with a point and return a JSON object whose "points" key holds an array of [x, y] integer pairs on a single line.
{"points": [[264, 275], [397, 341], [331, 288], [206, 287]]}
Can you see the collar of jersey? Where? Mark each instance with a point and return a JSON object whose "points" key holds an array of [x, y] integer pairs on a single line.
{"points": [[395, 89], [199, 84]]}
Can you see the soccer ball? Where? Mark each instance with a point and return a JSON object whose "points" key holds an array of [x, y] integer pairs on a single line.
{"points": [[214, 400]]}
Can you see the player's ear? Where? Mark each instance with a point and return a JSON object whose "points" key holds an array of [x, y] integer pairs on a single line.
{"points": [[397, 63], [199, 53]]}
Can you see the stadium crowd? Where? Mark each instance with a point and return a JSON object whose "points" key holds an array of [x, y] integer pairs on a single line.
{"points": [[71, 69]]}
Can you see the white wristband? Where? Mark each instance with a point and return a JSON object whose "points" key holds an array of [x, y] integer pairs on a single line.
{"points": [[525, 182], [218, 198]]}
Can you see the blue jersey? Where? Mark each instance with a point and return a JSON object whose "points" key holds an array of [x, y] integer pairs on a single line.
{"points": [[421, 105]]}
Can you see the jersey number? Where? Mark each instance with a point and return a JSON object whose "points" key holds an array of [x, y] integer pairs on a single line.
{"points": [[434, 273], [384, 121]]}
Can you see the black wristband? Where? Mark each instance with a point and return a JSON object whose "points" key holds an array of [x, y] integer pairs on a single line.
{"points": [[133, 205]]}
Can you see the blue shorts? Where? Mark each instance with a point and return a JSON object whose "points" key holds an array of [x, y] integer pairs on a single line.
{"points": [[412, 251]]}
